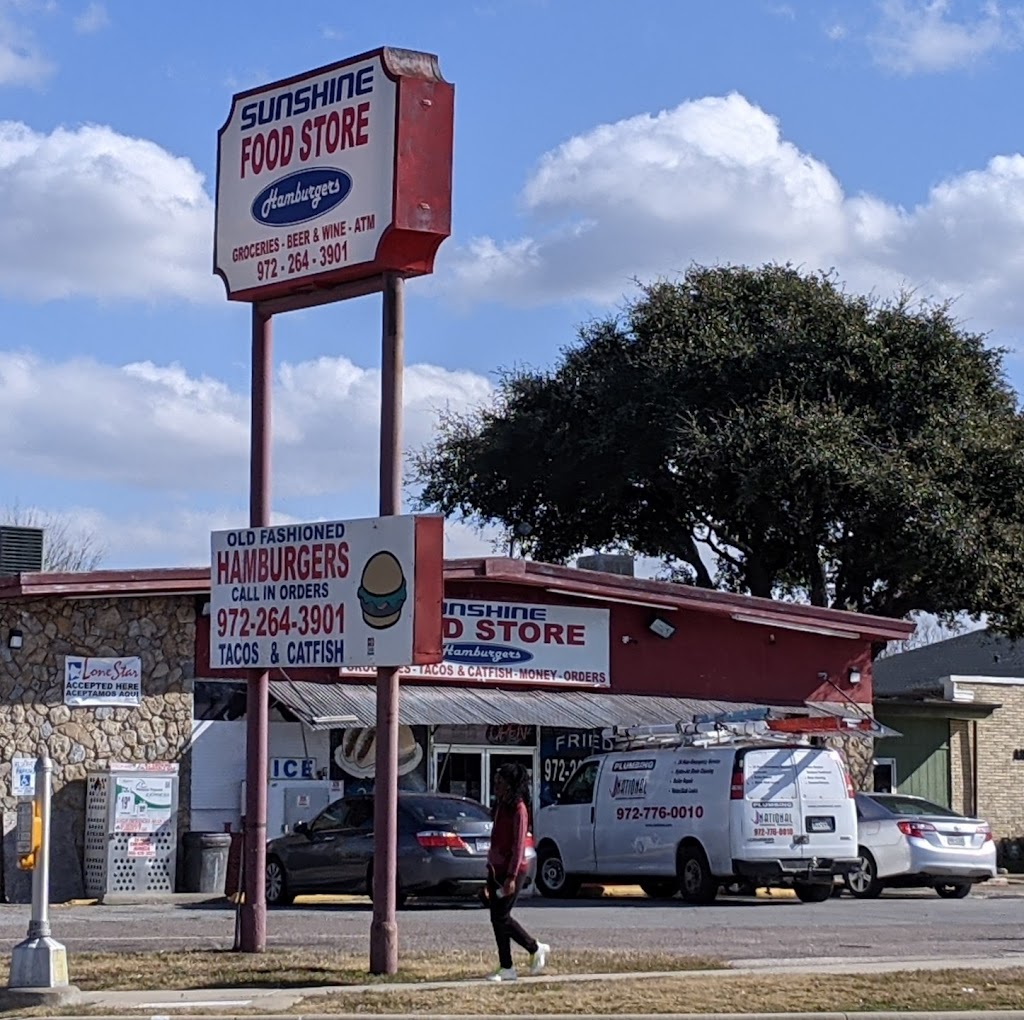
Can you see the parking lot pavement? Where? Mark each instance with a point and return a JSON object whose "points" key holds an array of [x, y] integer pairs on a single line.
{"points": [[750, 929]]}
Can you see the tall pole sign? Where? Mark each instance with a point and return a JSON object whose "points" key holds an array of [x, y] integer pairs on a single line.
{"points": [[331, 185]]}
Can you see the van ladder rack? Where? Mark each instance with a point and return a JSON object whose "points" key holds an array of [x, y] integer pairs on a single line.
{"points": [[711, 731]]}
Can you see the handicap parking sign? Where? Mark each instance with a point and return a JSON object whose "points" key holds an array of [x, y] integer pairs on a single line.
{"points": [[23, 777]]}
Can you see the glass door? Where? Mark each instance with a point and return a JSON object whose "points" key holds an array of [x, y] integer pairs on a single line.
{"points": [[460, 773]]}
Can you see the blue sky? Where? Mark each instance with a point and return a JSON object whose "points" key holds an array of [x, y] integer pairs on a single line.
{"points": [[596, 142]]}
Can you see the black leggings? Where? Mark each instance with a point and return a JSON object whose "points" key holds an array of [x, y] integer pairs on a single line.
{"points": [[506, 928]]}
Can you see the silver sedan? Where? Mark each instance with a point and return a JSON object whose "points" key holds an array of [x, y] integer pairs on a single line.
{"points": [[906, 841], [909, 841]]}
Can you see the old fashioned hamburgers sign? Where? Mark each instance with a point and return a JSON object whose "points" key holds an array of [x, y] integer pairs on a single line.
{"points": [[328, 593]]}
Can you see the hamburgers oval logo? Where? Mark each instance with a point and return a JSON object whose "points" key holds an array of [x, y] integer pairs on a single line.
{"points": [[382, 591]]}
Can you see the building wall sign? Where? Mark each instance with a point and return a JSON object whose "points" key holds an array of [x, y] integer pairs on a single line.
{"points": [[335, 175], [93, 682], [512, 642], [327, 593]]}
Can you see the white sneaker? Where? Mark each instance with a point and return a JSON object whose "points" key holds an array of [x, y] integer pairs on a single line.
{"points": [[539, 959], [503, 974]]}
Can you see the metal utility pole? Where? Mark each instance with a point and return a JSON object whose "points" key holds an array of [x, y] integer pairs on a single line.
{"points": [[384, 929], [254, 908]]}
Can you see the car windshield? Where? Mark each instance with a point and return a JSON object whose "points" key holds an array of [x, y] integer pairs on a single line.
{"points": [[912, 806], [445, 809]]}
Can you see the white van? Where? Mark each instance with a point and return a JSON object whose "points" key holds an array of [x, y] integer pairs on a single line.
{"points": [[692, 819]]}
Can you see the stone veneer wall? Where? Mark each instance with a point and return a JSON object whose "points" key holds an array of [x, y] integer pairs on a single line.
{"points": [[860, 759], [33, 716]]}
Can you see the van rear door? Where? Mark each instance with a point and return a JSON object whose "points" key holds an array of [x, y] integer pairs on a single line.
{"points": [[766, 803], [827, 803]]}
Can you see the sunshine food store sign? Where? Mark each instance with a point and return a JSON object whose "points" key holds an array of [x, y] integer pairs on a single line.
{"points": [[311, 191], [513, 642]]}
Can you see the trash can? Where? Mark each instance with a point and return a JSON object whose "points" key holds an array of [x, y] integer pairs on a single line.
{"points": [[206, 861]]}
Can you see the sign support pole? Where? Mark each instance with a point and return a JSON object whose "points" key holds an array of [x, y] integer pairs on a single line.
{"points": [[40, 961], [254, 909], [384, 928]]}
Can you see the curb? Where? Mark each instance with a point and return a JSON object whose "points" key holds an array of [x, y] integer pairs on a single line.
{"points": [[123, 899], [993, 1014]]}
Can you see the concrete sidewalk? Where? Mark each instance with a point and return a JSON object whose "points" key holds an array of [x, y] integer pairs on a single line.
{"points": [[232, 1001]]}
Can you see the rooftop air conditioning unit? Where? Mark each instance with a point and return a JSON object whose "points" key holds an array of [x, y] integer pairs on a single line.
{"points": [[21, 550], [608, 563]]}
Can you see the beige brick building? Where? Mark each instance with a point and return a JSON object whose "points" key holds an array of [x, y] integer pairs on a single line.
{"points": [[959, 705]]}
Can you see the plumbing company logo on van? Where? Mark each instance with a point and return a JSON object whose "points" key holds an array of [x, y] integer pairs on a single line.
{"points": [[301, 196], [634, 765], [773, 818], [629, 788], [492, 655]]}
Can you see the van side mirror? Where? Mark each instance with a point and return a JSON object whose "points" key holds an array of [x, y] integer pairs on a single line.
{"points": [[301, 828]]}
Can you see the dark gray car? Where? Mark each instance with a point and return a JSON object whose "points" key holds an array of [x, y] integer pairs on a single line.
{"points": [[442, 849]]}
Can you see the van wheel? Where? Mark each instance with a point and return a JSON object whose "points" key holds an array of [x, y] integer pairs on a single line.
{"points": [[696, 882], [953, 890], [552, 881], [863, 883], [660, 888], [812, 892]]}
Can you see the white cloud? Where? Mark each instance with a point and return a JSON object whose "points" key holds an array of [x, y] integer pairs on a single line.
{"points": [[156, 428], [90, 212], [921, 36], [714, 181], [21, 60], [92, 19], [180, 536]]}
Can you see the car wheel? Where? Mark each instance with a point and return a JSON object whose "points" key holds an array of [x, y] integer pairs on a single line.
{"points": [[552, 880], [696, 882], [953, 890], [401, 898], [863, 883], [660, 888], [276, 884], [812, 892]]}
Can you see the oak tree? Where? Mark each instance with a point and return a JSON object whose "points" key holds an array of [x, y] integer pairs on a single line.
{"points": [[765, 431]]}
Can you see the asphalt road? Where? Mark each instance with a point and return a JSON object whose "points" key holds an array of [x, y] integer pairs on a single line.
{"points": [[907, 926]]}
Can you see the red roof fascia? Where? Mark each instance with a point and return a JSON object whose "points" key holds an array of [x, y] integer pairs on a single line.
{"points": [[564, 580], [98, 583], [570, 580]]}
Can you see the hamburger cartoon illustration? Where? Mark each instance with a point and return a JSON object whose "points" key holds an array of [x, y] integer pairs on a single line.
{"points": [[382, 593], [357, 752]]}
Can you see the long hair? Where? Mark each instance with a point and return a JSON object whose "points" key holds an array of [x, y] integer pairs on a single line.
{"points": [[517, 783]]}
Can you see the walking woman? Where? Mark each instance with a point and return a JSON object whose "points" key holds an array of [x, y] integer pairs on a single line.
{"points": [[506, 868]]}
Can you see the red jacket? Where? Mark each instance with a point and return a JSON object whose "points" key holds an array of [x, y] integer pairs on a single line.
{"points": [[507, 855]]}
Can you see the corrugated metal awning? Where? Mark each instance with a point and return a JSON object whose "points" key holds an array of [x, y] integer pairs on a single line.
{"points": [[334, 706]]}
